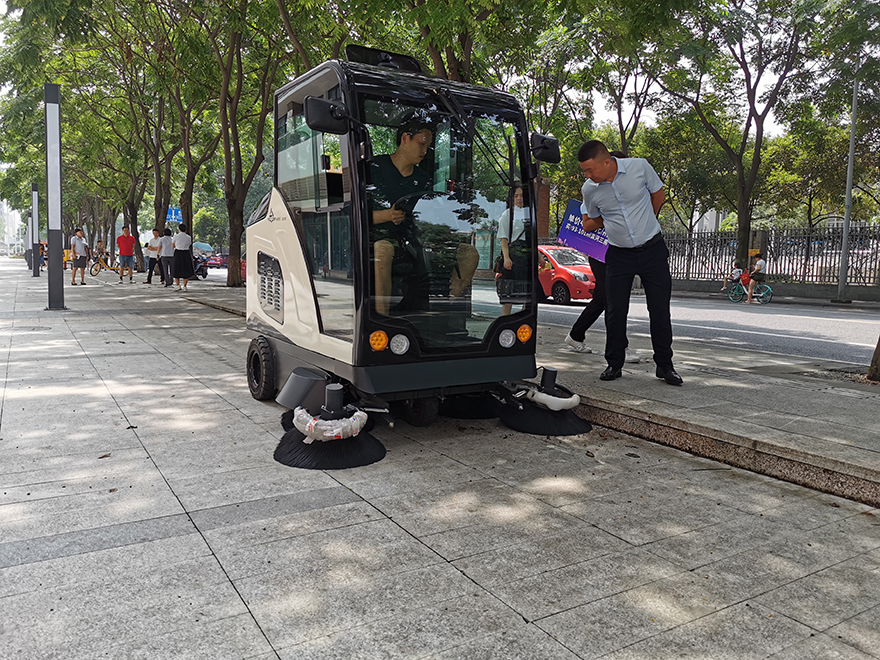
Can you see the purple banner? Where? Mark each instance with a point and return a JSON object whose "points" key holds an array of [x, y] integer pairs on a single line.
{"points": [[571, 233]]}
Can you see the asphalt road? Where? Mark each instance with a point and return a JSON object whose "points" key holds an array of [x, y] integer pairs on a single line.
{"points": [[826, 333]]}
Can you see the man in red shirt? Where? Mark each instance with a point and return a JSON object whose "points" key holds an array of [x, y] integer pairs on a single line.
{"points": [[125, 243]]}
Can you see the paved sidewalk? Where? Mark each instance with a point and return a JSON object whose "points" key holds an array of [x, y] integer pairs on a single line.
{"points": [[142, 515], [774, 414]]}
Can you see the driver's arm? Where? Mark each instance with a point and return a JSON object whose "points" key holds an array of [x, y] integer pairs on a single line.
{"points": [[393, 214]]}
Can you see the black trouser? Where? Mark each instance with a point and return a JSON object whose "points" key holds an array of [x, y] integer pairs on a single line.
{"points": [[651, 264], [594, 310], [154, 263], [165, 268]]}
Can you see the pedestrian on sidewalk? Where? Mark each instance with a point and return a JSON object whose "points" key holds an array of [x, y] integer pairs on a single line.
{"points": [[166, 256], [79, 256], [624, 195], [125, 244], [577, 336], [183, 262], [734, 276], [153, 251], [757, 275], [513, 234]]}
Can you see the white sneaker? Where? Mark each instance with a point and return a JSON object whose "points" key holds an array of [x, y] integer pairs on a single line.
{"points": [[577, 346], [178, 288], [184, 288], [631, 356]]}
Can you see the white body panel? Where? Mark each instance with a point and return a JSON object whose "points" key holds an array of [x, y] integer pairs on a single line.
{"points": [[277, 237]]}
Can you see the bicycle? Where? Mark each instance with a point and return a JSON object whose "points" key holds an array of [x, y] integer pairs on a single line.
{"points": [[762, 293], [101, 264]]}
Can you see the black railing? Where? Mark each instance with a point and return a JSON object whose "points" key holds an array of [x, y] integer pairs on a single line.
{"points": [[793, 255]]}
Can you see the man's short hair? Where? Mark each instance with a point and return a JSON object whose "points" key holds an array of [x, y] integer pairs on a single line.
{"points": [[167, 231], [413, 127], [591, 149]]}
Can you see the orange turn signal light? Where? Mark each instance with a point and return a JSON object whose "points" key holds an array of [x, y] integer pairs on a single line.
{"points": [[378, 341], [524, 333]]}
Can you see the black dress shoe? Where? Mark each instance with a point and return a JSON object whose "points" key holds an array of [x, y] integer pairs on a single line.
{"points": [[669, 375], [610, 373]]}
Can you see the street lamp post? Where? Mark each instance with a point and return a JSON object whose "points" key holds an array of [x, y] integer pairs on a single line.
{"points": [[52, 102], [34, 229]]}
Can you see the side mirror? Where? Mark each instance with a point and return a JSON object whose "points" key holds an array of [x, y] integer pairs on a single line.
{"points": [[545, 148], [326, 116]]}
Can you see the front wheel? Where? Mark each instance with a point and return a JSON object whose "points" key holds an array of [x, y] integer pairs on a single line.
{"points": [[95, 269], [735, 293], [763, 294], [561, 294], [261, 369], [421, 412], [203, 273]]}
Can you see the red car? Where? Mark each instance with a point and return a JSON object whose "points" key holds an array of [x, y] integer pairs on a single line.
{"points": [[565, 274], [218, 261]]}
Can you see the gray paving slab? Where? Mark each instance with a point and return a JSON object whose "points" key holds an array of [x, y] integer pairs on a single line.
{"points": [[821, 647], [742, 631], [31, 550], [290, 615], [271, 507], [87, 565], [425, 632], [830, 596]]}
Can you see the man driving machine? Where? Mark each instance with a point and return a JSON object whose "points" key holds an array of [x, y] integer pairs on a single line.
{"points": [[399, 184]]}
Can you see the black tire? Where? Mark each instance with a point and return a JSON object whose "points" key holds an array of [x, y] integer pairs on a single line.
{"points": [[561, 294], [261, 369], [735, 293], [763, 294], [95, 269], [421, 412]]}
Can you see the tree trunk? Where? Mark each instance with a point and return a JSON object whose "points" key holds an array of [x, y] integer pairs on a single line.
{"points": [[874, 369]]}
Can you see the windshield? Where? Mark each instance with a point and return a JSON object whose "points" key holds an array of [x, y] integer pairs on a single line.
{"points": [[569, 257], [451, 232]]}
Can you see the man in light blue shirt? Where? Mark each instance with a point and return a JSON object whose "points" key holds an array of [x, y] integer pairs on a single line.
{"points": [[624, 196]]}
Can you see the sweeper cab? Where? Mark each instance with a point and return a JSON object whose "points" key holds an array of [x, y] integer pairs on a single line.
{"points": [[370, 285]]}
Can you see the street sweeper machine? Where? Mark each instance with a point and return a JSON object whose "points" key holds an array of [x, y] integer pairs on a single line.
{"points": [[394, 191]]}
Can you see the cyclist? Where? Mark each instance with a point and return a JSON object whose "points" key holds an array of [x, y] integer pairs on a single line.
{"points": [[757, 275]]}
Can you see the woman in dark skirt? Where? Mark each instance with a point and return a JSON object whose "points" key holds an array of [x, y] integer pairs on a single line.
{"points": [[182, 267]]}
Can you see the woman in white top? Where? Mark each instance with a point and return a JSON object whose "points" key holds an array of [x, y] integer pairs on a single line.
{"points": [[166, 256], [515, 262], [183, 263], [757, 275]]}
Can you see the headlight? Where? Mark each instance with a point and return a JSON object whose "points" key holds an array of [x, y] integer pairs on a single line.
{"points": [[399, 344], [579, 276], [507, 338]]}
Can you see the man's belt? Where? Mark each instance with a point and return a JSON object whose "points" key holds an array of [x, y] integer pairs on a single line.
{"points": [[656, 238]]}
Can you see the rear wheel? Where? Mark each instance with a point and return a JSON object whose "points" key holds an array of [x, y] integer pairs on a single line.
{"points": [[261, 369], [95, 269], [763, 294], [421, 412], [561, 294], [736, 293]]}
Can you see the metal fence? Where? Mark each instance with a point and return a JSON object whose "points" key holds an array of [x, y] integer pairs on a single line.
{"points": [[793, 255]]}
